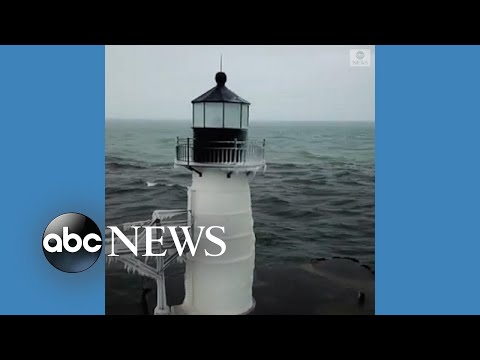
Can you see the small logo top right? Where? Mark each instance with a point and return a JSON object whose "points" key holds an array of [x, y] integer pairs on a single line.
{"points": [[359, 57]]}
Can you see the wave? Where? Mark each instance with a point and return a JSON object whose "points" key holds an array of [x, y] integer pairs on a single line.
{"points": [[116, 162], [117, 191], [114, 165], [151, 184]]}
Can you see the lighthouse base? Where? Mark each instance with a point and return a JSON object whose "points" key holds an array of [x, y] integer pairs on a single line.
{"points": [[324, 286], [186, 310], [220, 284], [165, 311]]}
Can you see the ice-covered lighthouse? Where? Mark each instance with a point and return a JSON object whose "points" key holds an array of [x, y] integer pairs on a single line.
{"points": [[222, 161]]}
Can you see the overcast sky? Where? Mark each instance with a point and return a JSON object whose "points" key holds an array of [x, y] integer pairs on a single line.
{"points": [[304, 83]]}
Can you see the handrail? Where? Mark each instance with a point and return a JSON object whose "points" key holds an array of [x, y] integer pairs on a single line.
{"points": [[242, 153], [191, 140]]}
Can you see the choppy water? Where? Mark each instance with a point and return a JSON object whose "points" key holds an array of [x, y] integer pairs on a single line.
{"points": [[316, 198]]}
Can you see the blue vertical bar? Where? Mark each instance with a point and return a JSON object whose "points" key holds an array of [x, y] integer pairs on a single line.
{"points": [[52, 161], [427, 180]]}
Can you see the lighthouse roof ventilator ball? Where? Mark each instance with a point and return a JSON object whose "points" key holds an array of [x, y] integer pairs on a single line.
{"points": [[221, 159]]}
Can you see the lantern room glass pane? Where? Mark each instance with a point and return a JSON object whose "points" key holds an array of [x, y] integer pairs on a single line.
{"points": [[198, 115], [214, 115], [244, 116], [232, 115]]}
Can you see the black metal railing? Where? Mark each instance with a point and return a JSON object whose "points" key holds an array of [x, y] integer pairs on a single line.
{"points": [[220, 152]]}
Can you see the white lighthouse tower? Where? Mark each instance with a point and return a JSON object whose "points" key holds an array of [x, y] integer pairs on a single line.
{"points": [[222, 161]]}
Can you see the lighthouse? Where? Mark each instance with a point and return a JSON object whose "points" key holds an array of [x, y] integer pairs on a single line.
{"points": [[222, 161]]}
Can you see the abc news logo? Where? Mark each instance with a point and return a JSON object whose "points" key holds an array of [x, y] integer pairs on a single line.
{"points": [[72, 242], [359, 57]]}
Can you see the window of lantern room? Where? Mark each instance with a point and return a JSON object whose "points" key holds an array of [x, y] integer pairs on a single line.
{"points": [[213, 115], [198, 115], [245, 113], [232, 115]]}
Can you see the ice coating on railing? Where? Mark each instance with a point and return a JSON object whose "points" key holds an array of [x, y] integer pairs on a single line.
{"points": [[139, 264], [239, 155], [167, 214]]}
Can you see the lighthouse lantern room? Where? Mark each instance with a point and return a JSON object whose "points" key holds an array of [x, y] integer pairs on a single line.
{"points": [[220, 133]]}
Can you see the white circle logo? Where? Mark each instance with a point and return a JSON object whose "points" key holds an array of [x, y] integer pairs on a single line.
{"points": [[360, 55]]}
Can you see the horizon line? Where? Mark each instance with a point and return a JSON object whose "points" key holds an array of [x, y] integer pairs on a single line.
{"points": [[256, 120]]}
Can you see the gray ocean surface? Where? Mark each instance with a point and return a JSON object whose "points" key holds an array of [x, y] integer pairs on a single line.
{"points": [[316, 198]]}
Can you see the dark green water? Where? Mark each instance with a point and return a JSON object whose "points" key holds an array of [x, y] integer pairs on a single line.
{"points": [[316, 198]]}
